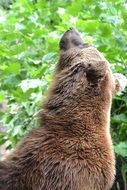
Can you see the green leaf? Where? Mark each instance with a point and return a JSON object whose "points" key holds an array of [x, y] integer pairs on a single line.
{"points": [[48, 57], [14, 68], [30, 83], [119, 118], [121, 149], [88, 26], [2, 96]]}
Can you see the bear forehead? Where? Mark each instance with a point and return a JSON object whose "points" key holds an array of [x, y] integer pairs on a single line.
{"points": [[89, 54]]}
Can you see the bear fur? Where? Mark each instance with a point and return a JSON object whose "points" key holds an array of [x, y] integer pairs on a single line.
{"points": [[72, 147]]}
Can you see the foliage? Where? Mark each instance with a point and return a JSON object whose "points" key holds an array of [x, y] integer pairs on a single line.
{"points": [[29, 35]]}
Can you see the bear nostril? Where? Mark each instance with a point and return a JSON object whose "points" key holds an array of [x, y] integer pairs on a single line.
{"points": [[69, 29], [89, 65]]}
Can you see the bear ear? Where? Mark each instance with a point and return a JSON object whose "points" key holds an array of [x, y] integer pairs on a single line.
{"points": [[120, 82]]}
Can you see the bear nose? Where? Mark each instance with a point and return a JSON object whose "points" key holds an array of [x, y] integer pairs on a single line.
{"points": [[71, 28]]}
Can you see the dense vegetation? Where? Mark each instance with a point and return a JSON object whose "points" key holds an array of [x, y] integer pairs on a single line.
{"points": [[29, 35]]}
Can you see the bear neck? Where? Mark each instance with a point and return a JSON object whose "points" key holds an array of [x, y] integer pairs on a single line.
{"points": [[75, 109]]}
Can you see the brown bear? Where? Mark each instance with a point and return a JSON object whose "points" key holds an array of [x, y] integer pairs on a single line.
{"points": [[72, 147]]}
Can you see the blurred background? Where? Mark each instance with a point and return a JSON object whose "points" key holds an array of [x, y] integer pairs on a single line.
{"points": [[29, 35]]}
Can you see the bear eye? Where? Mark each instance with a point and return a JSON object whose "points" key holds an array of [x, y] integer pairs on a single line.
{"points": [[62, 44], [76, 42]]}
